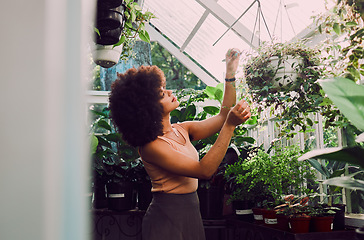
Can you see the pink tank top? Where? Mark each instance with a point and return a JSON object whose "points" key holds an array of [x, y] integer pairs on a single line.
{"points": [[164, 181]]}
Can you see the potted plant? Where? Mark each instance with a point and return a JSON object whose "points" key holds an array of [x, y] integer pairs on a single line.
{"points": [[322, 217], [246, 184], [132, 27], [144, 185], [265, 177], [282, 78], [293, 212], [116, 162]]}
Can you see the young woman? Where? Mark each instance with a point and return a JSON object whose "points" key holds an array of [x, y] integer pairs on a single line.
{"points": [[140, 107]]}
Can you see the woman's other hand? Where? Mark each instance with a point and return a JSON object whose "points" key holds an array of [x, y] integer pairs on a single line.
{"points": [[238, 114], [232, 62]]}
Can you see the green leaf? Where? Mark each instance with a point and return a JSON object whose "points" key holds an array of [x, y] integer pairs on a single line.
{"points": [[346, 182], [97, 31], [103, 124], [144, 36], [239, 140], [215, 93], [318, 166], [350, 24], [94, 143], [253, 120], [352, 155], [211, 110], [121, 41], [348, 97], [133, 16], [114, 137], [336, 28]]}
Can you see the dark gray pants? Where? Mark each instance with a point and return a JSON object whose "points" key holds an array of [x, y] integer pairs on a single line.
{"points": [[173, 217]]}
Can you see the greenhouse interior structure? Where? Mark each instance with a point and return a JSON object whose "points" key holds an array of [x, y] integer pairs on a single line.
{"points": [[69, 173]]}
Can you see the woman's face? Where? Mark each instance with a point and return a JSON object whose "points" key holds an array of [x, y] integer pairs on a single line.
{"points": [[168, 100]]}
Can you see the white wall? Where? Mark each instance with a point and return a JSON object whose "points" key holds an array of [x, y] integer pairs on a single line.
{"points": [[42, 120]]}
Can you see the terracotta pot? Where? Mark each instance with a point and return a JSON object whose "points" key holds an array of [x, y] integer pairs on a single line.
{"points": [[270, 218], [322, 224], [282, 222], [299, 224], [258, 215]]}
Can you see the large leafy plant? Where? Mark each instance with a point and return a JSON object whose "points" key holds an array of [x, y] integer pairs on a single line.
{"points": [[112, 159], [349, 98]]}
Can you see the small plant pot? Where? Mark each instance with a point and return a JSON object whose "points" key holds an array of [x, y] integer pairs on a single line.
{"points": [[299, 224], [258, 215], [121, 196], [359, 233], [282, 222], [270, 218], [243, 210], [339, 218], [106, 55], [322, 224]]}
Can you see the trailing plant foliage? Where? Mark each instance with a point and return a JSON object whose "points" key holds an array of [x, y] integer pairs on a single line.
{"points": [[292, 103]]}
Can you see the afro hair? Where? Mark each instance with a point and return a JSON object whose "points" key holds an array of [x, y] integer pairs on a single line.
{"points": [[135, 107]]}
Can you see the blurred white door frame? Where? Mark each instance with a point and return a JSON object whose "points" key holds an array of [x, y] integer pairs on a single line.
{"points": [[43, 126]]}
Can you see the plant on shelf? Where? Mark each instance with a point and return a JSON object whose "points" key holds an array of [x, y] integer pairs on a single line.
{"points": [[282, 77], [115, 162], [264, 178]]}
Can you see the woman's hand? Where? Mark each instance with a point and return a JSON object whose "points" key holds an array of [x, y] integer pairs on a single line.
{"points": [[232, 62], [238, 114]]}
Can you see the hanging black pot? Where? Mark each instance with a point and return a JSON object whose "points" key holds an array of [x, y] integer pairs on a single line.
{"points": [[108, 37], [107, 4], [121, 196], [108, 19]]}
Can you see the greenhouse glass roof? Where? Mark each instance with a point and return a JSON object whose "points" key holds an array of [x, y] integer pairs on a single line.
{"points": [[206, 29]]}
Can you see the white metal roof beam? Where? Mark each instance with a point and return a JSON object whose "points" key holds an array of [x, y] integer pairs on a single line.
{"points": [[227, 19], [194, 30], [185, 60]]}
